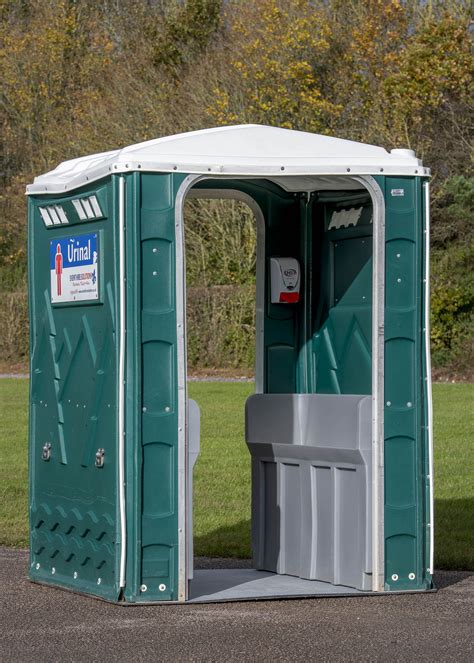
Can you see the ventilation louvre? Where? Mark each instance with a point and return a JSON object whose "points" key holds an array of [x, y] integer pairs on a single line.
{"points": [[53, 215]]}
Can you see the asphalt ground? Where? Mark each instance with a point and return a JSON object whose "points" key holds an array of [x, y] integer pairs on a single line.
{"points": [[45, 624]]}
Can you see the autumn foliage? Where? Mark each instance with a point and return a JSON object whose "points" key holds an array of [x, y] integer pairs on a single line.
{"points": [[80, 76]]}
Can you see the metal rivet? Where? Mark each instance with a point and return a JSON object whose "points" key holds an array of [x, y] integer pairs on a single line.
{"points": [[389, 403], [100, 457], [409, 404], [167, 408], [411, 576], [143, 588], [381, 170], [75, 575], [399, 280], [398, 255], [155, 273], [37, 566], [162, 587], [99, 580], [175, 167], [155, 250], [53, 571], [282, 168], [395, 577], [143, 409], [348, 170]]}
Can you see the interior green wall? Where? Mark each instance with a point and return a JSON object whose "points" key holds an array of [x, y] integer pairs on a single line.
{"points": [[341, 330], [322, 344]]}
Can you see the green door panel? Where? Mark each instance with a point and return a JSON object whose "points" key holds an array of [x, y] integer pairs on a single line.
{"points": [[73, 405]]}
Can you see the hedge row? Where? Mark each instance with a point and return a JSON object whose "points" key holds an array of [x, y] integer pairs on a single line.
{"points": [[221, 327]]}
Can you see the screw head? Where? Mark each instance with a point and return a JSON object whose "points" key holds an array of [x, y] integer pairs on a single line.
{"points": [[162, 587], [395, 577], [143, 588], [411, 576]]}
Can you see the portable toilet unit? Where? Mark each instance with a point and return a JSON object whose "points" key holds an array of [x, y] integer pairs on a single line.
{"points": [[339, 428]]}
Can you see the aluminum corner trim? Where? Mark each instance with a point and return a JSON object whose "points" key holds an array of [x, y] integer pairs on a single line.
{"points": [[429, 391], [121, 386]]}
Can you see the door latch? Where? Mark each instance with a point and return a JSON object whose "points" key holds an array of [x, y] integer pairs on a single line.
{"points": [[46, 451], [99, 457]]}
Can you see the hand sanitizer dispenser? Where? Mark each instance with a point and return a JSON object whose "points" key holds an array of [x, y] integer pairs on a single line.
{"points": [[285, 280]]}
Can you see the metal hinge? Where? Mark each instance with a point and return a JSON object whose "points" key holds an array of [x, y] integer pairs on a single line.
{"points": [[99, 457]]}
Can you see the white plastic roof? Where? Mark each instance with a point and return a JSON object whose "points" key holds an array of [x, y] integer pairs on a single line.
{"points": [[244, 150]]}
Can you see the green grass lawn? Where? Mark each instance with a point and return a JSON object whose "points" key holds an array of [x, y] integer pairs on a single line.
{"points": [[222, 473]]}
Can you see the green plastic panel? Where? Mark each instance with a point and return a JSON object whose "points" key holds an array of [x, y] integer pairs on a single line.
{"points": [[152, 408], [342, 300], [405, 439], [73, 406]]}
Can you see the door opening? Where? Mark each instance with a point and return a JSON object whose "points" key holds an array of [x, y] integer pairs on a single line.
{"points": [[309, 426]]}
